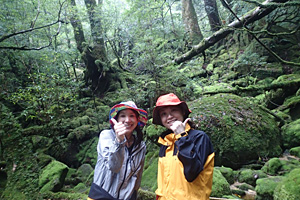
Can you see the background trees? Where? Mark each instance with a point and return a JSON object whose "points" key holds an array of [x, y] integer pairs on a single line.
{"points": [[64, 63]]}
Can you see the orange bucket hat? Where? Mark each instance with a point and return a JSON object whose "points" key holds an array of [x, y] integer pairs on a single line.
{"points": [[169, 100]]}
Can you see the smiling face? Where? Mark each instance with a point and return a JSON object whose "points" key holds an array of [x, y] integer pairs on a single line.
{"points": [[129, 118], [170, 114]]}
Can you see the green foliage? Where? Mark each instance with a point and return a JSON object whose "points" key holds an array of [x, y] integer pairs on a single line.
{"points": [[49, 97]]}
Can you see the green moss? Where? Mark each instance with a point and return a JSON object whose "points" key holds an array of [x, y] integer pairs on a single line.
{"points": [[250, 176], [289, 188], [291, 134], [272, 166], [53, 176], [220, 185], [240, 130], [295, 151], [145, 195], [227, 173], [149, 179], [64, 195], [265, 187]]}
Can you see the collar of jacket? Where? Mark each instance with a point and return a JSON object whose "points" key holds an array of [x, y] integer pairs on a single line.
{"points": [[171, 138]]}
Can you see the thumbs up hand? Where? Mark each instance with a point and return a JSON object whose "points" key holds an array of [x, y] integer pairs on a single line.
{"points": [[179, 127], [120, 129]]}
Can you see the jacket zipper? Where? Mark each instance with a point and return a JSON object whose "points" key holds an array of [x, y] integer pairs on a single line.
{"points": [[129, 157], [124, 176]]}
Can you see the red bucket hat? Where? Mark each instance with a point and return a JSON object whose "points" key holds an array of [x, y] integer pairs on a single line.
{"points": [[168, 100]]}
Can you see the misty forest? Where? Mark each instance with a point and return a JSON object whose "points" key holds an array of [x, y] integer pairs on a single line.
{"points": [[65, 63]]}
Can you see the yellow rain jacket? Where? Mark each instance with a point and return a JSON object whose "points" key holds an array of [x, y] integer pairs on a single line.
{"points": [[185, 166]]}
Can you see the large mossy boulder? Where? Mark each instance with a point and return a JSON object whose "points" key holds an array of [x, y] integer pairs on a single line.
{"points": [[240, 130], [53, 176], [289, 187]]}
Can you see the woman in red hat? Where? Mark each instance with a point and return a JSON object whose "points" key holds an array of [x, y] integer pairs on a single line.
{"points": [[121, 155], [186, 157]]}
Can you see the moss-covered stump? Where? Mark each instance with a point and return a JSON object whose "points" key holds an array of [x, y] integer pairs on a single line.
{"points": [[240, 131], [289, 187], [291, 134], [53, 176], [265, 187], [220, 185]]}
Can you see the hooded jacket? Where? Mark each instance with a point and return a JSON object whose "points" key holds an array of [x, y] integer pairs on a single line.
{"points": [[118, 172], [185, 166]]}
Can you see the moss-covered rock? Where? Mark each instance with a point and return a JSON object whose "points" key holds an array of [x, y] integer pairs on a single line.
{"points": [[145, 195], [265, 187], [240, 130], [149, 178], [289, 187], [64, 195], [272, 166], [227, 173], [53, 176], [250, 176], [291, 134], [276, 166], [84, 171], [220, 185], [295, 151]]}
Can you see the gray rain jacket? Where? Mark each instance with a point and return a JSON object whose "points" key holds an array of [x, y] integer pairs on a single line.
{"points": [[117, 172]]}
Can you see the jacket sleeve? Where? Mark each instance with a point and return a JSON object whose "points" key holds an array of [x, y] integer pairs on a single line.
{"points": [[193, 152], [110, 150]]}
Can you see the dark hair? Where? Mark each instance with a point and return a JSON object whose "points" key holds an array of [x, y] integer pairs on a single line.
{"points": [[139, 134]]}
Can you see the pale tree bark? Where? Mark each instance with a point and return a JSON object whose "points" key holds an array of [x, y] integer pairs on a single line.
{"points": [[190, 21], [212, 14]]}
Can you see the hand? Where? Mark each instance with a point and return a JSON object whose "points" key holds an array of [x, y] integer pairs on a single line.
{"points": [[120, 129], [179, 127]]}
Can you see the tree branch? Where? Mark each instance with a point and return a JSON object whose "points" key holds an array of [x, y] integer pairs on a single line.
{"points": [[250, 17], [273, 4], [25, 48]]}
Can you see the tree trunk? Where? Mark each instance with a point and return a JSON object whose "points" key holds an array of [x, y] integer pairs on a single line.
{"points": [[213, 14], [256, 14], [97, 73], [77, 27], [190, 21]]}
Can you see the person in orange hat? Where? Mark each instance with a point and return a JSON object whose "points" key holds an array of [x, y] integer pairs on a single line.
{"points": [[121, 155], [186, 156]]}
